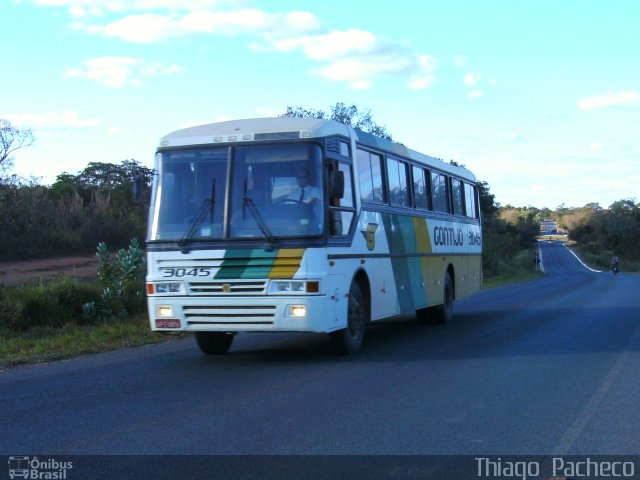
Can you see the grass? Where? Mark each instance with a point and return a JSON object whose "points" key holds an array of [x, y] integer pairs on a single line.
{"points": [[43, 344], [514, 276], [602, 259], [516, 269]]}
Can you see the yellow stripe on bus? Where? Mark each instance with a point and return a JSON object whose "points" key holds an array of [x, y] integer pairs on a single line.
{"points": [[423, 239], [287, 263]]}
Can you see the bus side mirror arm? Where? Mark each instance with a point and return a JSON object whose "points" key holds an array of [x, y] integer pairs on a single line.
{"points": [[138, 188]]}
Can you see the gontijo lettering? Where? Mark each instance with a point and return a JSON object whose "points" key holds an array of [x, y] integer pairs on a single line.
{"points": [[448, 236]]}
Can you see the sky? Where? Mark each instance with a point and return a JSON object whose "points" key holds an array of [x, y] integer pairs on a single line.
{"points": [[541, 99]]}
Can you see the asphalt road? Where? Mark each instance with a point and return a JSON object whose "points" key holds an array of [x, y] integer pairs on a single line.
{"points": [[545, 367]]}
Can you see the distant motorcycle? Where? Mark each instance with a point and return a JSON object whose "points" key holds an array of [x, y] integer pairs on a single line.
{"points": [[614, 268]]}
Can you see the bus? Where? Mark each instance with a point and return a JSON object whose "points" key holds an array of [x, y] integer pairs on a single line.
{"points": [[304, 225]]}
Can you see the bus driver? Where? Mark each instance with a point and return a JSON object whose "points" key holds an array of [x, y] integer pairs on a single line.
{"points": [[305, 193]]}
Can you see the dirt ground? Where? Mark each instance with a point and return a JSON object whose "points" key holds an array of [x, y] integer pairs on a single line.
{"points": [[82, 266]]}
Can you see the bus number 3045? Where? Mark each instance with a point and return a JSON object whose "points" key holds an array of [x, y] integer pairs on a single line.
{"points": [[186, 272]]}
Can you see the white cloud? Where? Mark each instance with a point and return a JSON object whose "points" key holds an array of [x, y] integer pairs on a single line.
{"points": [[471, 79], [459, 61], [154, 27], [354, 56], [475, 94], [358, 57], [359, 71], [116, 72], [303, 21], [52, 120], [609, 99], [98, 6], [330, 46], [418, 82], [134, 28]]}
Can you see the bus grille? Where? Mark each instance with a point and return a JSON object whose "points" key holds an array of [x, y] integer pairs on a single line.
{"points": [[259, 316], [228, 288]]}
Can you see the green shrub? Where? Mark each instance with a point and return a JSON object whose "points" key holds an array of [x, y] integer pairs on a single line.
{"points": [[118, 293], [71, 294], [46, 304], [122, 284]]}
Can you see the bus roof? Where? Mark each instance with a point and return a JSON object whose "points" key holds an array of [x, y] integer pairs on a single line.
{"points": [[288, 128]]}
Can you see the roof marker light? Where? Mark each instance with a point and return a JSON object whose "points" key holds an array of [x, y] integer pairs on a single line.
{"points": [[232, 138], [217, 139], [305, 134], [247, 137]]}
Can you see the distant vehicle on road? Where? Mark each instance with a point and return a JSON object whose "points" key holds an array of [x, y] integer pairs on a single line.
{"points": [[615, 265]]}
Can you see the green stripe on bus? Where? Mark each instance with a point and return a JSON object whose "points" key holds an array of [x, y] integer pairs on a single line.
{"points": [[246, 264], [397, 227], [410, 237]]}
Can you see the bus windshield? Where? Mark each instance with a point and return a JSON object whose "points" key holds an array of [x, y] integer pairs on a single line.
{"points": [[275, 192]]}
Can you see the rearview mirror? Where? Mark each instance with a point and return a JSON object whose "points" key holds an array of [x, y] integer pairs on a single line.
{"points": [[336, 184]]}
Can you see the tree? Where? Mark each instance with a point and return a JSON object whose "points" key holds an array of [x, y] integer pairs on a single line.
{"points": [[11, 139], [104, 177], [488, 205], [99, 204], [349, 115]]}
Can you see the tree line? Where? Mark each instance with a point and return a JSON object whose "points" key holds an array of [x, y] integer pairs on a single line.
{"points": [[74, 214], [605, 232]]}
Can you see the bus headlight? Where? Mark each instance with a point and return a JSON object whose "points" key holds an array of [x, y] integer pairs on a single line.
{"points": [[296, 311], [293, 287], [164, 311]]}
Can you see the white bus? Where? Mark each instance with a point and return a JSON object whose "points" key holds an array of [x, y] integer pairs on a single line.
{"points": [[292, 224]]}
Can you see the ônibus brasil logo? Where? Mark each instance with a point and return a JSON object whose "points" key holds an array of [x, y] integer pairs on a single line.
{"points": [[33, 468]]}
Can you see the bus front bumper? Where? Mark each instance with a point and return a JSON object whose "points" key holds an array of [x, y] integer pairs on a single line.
{"points": [[246, 314]]}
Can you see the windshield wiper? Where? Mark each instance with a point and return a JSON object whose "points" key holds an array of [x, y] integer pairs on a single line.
{"points": [[207, 206], [248, 202]]}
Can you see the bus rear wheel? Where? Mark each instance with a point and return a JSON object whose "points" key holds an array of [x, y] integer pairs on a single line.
{"points": [[214, 343], [349, 340]]}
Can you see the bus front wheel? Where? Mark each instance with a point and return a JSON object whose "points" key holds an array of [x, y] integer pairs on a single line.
{"points": [[349, 340], [214, 343]]}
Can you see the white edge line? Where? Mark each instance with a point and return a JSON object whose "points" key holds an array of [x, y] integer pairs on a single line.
{"points": [[573, 433], [583, 264]]}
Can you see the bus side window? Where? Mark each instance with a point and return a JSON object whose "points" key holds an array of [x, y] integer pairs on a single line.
{"points": [[458, 202], [470, 200], [398, 185], [370, 176], [342, 210], [440, 192], [420, 189]]}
